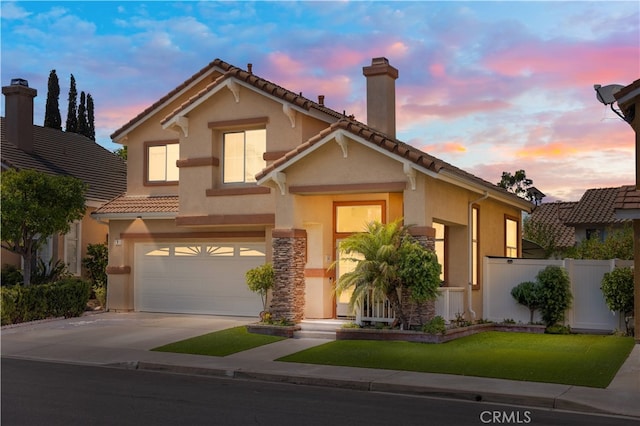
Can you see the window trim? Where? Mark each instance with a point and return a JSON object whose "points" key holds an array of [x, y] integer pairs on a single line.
{"points": [[147, 145], [475, 232], [244, 131], [445, 252], [518, 236], [78, 251]]}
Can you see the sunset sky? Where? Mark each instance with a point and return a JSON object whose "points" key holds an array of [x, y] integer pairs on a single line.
{"points": [[486, 86]]}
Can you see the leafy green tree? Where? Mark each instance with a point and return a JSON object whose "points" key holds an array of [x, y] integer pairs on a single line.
{"points": [[387, 261], [72, 109], [91, 125], [618, 244], [52, 111], [518, 183], [543, 234], [554, 294], [83, 125], [35, 206], [260, 280], [617, 288], [528, 294], [121, 152]]}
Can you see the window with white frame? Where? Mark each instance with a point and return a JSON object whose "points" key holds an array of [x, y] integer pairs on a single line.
{"points": [[243, 155], [73, 249], [161, 162], [511, 237]]}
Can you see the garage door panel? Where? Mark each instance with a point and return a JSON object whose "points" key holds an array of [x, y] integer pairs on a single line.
{"points": [[186, 278]]}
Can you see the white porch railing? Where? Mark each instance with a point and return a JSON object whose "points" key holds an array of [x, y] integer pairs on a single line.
{"points": [[450, 302]]}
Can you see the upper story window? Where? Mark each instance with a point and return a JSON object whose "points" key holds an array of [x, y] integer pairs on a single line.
{"points": [[161, 158], [243, 155], [512, 237]]}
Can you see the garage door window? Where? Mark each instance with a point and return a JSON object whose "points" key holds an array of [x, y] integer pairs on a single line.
{"points": [[159, 251], [250, 251], [219, 250]]}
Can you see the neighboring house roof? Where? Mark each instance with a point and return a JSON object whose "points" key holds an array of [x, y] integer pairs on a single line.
{"points": [[71, 154], [396, 148], [596, 207], [555, 215], [627, 203], [128, 206]]}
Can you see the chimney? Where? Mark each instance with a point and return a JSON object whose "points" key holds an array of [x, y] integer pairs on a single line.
{"points": [[381, 96], [19, 113]]}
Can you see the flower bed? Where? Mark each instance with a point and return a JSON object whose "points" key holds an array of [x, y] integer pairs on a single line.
{"points": [[421, 337]]}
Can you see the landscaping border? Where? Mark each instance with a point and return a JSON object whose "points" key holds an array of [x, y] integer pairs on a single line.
{"points": [[421, 337], [273, 330]]}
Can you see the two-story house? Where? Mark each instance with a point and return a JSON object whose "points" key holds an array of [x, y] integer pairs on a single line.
{"points": [[52, 151], [228, 171]]}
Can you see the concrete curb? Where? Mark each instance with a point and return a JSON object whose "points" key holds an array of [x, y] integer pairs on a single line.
{"points": [[556, 400]]}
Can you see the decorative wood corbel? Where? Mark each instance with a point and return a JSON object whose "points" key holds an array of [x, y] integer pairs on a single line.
{"points": [[235, 89], [290, 113], [341, 140], [410, 172], [280, 179]]}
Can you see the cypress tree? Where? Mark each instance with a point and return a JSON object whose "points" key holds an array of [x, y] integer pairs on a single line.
{"points": [[91, 127], [82, 115], [52, 112], [72, 113]]}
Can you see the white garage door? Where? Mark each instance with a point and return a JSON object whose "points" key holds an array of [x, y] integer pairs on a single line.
{"points": [[198, 278]]}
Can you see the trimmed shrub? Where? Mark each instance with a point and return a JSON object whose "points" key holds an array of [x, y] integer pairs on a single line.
{"points": [[65, 298], [617, 288], [554, 294], [528, 294], [11, 275], [435, 326]]}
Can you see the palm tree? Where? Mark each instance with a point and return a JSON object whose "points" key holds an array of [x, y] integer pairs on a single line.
{"points": [[388, 260]]}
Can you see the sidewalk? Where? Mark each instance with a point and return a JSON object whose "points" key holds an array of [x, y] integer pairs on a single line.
{"points": [[123, 340]]}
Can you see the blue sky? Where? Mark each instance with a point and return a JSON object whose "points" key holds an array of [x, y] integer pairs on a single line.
{"points": [[486, 86]]}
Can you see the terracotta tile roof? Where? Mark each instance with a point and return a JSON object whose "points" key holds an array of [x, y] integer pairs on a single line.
{"points": [[394, 146], [595, 207], [130, 204], [628, 197], [227, 71], [64, 153], [554, 215], [260, 83]]}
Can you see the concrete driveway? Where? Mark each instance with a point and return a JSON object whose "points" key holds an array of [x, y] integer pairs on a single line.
{"points": [[107, 337]]}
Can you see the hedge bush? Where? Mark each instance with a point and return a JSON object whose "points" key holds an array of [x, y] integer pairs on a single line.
{"points": [[65, 298]]}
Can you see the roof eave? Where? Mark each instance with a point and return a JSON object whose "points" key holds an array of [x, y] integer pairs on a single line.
{"points": [[131, 216]]}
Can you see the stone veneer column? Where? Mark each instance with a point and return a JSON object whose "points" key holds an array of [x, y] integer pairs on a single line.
{"points": [[289, 259], [420, 313]]}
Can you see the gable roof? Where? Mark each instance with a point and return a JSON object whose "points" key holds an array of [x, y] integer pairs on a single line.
{"points": [[596, 207], [554, 215], [627, 203], [132, 206], [71, 154], [227, 72], [427, 163]]}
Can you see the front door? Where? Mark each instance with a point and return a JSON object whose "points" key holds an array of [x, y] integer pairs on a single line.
{"points": [[349, 218]]}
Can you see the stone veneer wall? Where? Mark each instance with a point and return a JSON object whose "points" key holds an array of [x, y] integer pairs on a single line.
{"points": [[420, 313], [289, 258]]}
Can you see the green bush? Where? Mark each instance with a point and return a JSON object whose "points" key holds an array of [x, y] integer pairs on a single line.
{"points": [[435, 326], [65, 298], [260, 279], [49, 272], [617, 288], [554, 294], [528, 294], [96, 264], [11, 275]]}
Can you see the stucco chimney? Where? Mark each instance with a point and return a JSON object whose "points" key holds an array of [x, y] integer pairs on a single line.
{"points": [[381, 96], [19, 113]]}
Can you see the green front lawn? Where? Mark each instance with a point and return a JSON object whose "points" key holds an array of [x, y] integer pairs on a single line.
{"points": [[219, 343], [582, 360]]}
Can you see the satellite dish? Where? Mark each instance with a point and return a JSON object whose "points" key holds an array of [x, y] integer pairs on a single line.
{"points": [[605, 93]]}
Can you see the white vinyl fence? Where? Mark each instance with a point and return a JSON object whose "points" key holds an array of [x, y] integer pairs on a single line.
{"points": [[450, 302], [589, 310]]}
